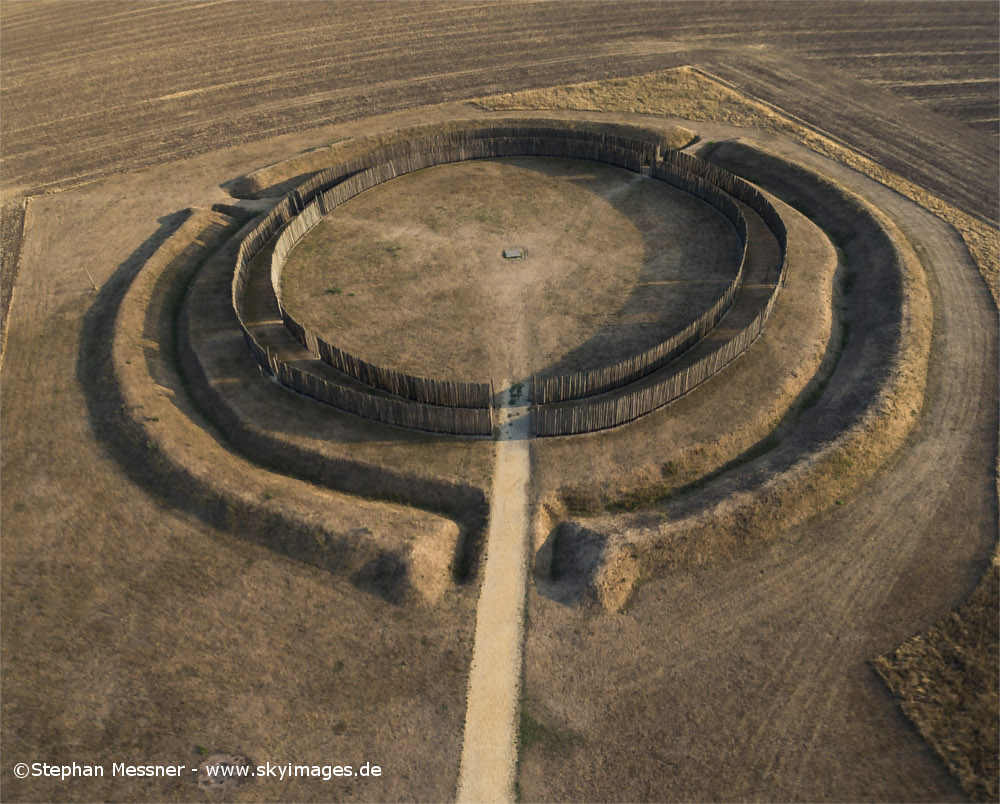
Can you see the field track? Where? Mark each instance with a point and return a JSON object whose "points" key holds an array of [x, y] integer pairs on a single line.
{"points": [[489, 745], [151, 83]]}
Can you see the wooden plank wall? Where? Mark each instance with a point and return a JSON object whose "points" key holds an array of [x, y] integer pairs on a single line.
{"points": [[448, 406], [599, 380], [374, 406], [618, 409], [324, 192]]}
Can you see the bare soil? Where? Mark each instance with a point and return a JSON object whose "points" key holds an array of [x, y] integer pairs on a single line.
{"points": [[411, 275], [489, 746], [762, 689], [135, 631], [724, 688], [189, 78]]}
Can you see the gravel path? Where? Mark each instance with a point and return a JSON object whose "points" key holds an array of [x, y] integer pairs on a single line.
{"points": [[489, 752]]}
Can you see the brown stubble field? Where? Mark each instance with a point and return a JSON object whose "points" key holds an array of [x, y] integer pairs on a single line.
{"points": [[154, 82], [760, 690]]}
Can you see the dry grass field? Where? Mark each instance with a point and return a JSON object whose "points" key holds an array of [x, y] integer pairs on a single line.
{"points": [[959, 704], [946, 680], [613, 265], [802, 541], [11, 231]]}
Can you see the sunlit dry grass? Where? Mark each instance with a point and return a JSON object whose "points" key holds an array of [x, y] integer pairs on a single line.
{"points": [[690, 93], [947, 678]]}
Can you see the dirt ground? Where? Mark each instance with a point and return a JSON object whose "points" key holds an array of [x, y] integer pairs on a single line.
{"points": [[613, 265], [187, 78], [489, 748], [59, 299], [133, 631], [779, 666]]}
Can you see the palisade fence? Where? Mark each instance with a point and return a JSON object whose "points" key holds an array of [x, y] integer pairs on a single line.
{"points": [[615, 375], [448, 393], [466, 408], [399, 412], [718, 187], [593, 415], [600, 414], [387, 162], [547, 138]]}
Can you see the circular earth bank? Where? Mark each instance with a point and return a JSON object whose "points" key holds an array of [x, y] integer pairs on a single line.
{"points": [[411, 275]]}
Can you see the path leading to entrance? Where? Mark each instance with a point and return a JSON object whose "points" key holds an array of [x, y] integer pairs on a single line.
{"points": [[489, 752]]}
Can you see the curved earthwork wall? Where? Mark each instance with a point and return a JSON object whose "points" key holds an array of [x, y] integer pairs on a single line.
{"points": [[612, 410], [465, 408]]}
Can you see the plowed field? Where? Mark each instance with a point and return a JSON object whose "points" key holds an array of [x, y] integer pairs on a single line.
{"points": [[96, 88]]}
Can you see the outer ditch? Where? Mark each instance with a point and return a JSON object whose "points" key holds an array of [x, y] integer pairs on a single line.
{"points": [[863, 414], [160, 438]]}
